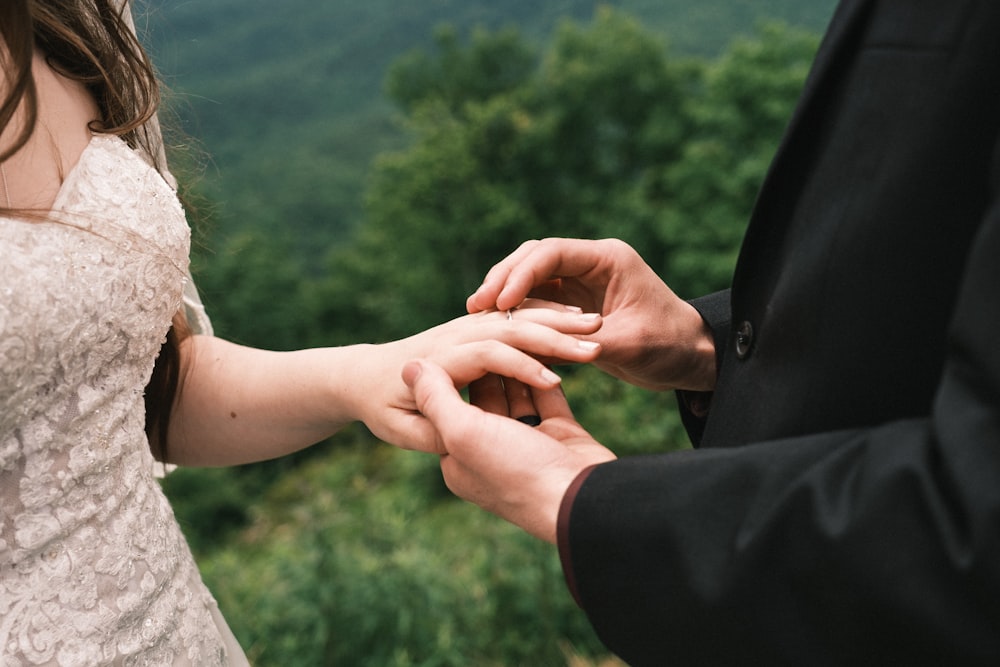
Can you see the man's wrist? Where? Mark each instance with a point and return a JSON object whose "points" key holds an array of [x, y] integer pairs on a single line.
{"points": [[700, 354], [562, 530]]}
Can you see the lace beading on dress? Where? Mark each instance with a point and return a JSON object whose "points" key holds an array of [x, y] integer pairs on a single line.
{"points": [[93, 567]]}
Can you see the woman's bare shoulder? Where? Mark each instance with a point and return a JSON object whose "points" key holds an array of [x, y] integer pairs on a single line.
{"points": [[62, 130]]}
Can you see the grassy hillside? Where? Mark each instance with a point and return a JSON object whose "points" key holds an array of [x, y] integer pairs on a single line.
{"points": [[286, 97]]}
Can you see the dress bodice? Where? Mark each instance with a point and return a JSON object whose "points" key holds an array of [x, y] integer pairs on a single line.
{"points": [[93, 567]]}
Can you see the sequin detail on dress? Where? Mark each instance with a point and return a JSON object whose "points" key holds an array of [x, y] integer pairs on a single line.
{"points": [[93, 567]]}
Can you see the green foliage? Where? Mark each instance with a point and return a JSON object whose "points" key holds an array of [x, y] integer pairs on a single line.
{"points": [[606, 135], [255, 292], [362, 559], [495, 63], [738, 113], [356, 554], [210, 504], [524, 152], [287, 99], [625, 418]]}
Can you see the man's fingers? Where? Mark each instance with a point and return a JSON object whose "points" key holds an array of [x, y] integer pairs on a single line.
{"points": [[480, 363], [433, 390], [413, 431], [532, 266], [496, 278], [489, 393], [520, 404]]}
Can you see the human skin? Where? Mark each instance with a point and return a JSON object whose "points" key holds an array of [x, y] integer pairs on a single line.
{"points": [[650, 337], [238, 404], [518, 472]]}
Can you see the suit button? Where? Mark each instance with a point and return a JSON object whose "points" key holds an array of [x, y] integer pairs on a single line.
{"points": [[744, 339]]}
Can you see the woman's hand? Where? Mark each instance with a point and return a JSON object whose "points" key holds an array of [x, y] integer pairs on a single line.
{"points": [[518, 472], [650, 337], [520, 342]]}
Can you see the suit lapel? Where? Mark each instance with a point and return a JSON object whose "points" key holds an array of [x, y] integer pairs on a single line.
{"points": [[780, 189], [838, 43]]}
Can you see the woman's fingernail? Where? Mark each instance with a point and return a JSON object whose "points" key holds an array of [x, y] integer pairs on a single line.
{"points": [[549, 376], [588, 345], [590, 317], [573, 309]]}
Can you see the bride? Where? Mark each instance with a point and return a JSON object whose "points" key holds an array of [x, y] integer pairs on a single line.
{"points": [[106, 361]]}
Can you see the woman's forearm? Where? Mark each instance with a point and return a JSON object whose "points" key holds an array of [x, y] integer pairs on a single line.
{"points": [[238, 404]]}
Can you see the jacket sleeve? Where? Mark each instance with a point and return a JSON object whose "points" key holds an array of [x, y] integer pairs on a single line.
{"points": [[870, 546]]}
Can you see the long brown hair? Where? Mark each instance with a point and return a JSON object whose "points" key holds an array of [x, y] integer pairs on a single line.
{"points": [[90, 41]]}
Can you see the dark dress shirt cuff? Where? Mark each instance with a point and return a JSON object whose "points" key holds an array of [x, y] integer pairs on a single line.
{"points": [[716, 311], [562, 530]]}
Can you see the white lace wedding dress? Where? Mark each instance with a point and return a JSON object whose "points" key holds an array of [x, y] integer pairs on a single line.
{"points": [[93, 567]]}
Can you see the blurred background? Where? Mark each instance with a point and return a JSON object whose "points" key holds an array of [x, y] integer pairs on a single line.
{"points": [[352, 169]]}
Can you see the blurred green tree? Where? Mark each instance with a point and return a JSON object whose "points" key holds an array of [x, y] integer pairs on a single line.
{"points": [[355, 563], [358, 556], [737, 113], [604, 134], [507, 146], [256, 288]]}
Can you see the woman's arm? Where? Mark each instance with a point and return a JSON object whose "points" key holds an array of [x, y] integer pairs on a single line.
{"points": [[237, 404]]}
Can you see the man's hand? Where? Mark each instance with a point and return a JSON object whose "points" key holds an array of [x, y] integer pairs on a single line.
{"points": [[518, 472], [650, 337]]}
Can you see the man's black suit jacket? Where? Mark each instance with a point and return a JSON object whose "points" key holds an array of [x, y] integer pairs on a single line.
{"points": [[843, 506]]}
